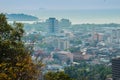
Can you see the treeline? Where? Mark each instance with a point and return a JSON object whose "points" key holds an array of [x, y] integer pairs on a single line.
{"points": [[85, 71]]}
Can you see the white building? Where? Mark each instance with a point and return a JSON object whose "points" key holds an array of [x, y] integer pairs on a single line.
{"points": [[63, 44]]}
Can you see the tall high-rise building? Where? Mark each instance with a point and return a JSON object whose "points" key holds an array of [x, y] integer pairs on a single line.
{"points": [[116, 69], [65, 23], [53, 26]]}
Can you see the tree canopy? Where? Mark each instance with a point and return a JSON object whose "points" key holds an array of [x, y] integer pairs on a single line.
{"points": [[56, 76], [85, 71], [15, 59]]}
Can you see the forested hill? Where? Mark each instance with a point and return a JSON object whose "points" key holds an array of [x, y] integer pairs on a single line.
{"points": [[21, 17]]}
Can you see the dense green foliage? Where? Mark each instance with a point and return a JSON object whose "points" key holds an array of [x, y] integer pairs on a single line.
{"points": [[89, 72], [57, 76], [15, 60]]}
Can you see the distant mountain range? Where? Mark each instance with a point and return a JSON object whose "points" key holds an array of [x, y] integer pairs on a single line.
{"points": [[21, 17]]}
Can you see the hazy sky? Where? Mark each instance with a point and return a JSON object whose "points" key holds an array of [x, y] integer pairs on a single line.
{"points": [[59, 4], [62, 8]]}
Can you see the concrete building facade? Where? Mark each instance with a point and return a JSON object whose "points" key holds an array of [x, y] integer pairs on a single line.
{"points": [[116, 69]]}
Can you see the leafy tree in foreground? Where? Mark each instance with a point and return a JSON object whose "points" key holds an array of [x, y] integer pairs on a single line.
{"points": [[57, 76], [15, 60]]}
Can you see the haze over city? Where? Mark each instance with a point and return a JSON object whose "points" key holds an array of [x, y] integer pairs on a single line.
{"points": [[59, 39], [78, 11]]}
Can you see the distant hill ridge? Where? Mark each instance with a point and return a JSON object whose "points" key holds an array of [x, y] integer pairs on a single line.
{"points": [[21, 17]]}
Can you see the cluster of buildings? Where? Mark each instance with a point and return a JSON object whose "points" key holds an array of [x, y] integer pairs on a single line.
{"points": [[63, 44]]}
